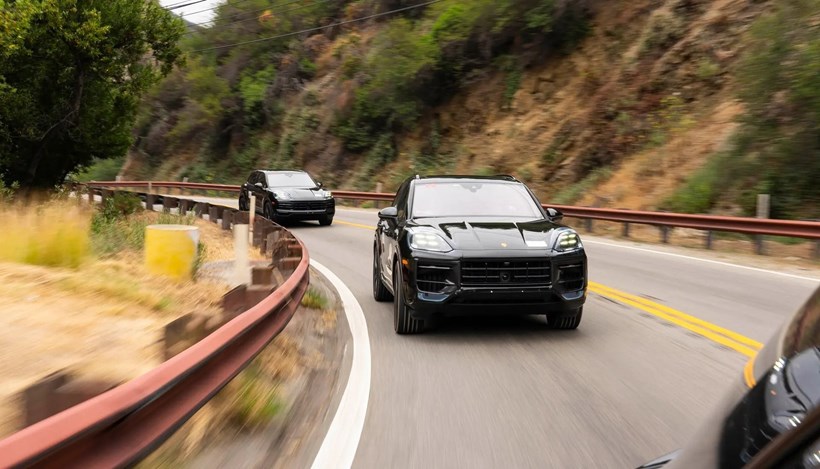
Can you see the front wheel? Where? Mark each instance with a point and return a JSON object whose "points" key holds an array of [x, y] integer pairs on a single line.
{"points": [[380, 292], [267, 211], [565, 322], [243, 203], [326, 220], [403, 322]]}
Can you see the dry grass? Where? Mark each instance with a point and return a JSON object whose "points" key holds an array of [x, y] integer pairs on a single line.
{"points": [[52, 234], [101, 317]]}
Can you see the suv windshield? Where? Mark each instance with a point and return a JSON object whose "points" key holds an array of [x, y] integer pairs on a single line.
{"points": [[289, 180], [473, 199]]}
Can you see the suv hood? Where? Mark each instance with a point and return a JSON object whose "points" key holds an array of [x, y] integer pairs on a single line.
{"points": [[487, 233], [300, 193]]}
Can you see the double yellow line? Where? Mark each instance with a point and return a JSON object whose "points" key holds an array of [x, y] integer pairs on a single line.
{"points": [[733, 340], [713, 332]]}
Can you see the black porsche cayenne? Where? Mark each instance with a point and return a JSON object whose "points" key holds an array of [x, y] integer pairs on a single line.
{"points": [[467, 244], [288, 195]]}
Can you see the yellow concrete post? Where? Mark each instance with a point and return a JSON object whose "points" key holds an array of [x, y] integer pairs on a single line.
{"points": [[171, 250]]}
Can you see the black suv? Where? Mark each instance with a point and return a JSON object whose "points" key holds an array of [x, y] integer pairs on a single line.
{"points": [[288, 195], [453, 244], [771, 416]]}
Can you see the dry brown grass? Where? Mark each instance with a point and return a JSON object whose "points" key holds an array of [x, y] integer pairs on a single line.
{"points": [[101, 317]]}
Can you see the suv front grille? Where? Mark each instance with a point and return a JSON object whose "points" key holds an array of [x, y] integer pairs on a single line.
{"points": [[432, 278], [505, 273], [303, 205]]}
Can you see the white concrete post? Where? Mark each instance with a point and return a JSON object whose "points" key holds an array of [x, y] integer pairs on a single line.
{"points": [[242, 269], [251, 215]]}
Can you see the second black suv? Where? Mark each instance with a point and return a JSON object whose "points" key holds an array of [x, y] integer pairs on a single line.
{"points": [[472, 244], [288, 195]]}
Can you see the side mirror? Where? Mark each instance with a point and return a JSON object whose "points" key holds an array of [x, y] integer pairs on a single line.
{"points": [[319, 184], [389, 212], [257, 184], [555, 215]]}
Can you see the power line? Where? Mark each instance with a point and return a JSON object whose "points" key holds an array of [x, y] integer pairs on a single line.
{"points": [[219, 27], [183, 5], [318, 28], [250, 12], [220, 5]]}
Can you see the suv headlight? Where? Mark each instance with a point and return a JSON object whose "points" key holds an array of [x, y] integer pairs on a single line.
{"points": [[281, 195], [567, 240], [328, 194], [427, 241]]}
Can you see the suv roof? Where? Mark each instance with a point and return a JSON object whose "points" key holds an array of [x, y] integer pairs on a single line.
{"points": [[497, 177], [282, 171]]}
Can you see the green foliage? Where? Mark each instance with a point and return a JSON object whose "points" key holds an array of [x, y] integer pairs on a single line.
{"points": [[574, 192], [71, 75], [314, 299], [121, 205], [700, 191], [777, 148], [664, 30], [101, 170], [390, 98]]}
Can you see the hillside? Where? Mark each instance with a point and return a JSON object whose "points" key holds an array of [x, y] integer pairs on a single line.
{"points": [[688, 105]]}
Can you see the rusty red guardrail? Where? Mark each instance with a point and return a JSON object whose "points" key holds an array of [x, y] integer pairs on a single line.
{"points": [[747, 225], [119, 427]]}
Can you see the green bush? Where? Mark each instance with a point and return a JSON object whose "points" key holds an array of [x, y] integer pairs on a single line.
{"points": [[575, 191]]}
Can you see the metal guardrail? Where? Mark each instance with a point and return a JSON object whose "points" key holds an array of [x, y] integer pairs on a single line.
{"points": [[664, 220], [121, 426]]}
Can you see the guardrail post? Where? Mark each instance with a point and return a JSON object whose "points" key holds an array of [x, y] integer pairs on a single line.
{"points": [[762, 212], [168, 203], [200, 208], [213, 214], [379, 189], [709, 239], [105, 194], [150, 200], [588, 225], [665, 234], [227, 218], [817, 249], [625, 230]]}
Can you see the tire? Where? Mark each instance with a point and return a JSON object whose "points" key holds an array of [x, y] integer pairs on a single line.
{"points": [[326, 220], [243, 203], [380, 292], [569, 322], [267, 211], [403, 322]]}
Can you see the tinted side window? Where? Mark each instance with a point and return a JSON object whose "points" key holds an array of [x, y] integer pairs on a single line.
{"points": [[252, 178]]}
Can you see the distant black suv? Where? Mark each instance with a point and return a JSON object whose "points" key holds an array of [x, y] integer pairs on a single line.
{"points": [[288, 195], [451, 244]]}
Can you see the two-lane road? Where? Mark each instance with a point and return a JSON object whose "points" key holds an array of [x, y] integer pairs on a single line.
{"points": [[506, 392]]}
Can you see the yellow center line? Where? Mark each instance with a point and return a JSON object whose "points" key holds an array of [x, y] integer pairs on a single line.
{"points": [[341, 222], [749, 373], [720, 335], [697, 329], [680, 315]]}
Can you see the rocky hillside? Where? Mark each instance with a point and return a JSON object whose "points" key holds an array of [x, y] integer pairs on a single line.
{"points": [[690, 105]]}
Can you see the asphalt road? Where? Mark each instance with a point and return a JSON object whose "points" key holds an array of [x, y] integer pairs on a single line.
{"points": [[624, 388]]}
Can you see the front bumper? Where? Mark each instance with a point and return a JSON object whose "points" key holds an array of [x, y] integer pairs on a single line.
{"points": [[564, 293], [305, 210]]}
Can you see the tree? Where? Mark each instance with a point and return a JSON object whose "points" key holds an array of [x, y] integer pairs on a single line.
{"points": [[71, 76]]}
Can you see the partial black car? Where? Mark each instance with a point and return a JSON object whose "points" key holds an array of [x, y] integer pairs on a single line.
{"points": [[470, 245], [282, 196], [771, 416]]}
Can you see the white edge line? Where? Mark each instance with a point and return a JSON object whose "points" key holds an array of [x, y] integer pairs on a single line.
{"points": [[729, 264], [342, 439]]}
